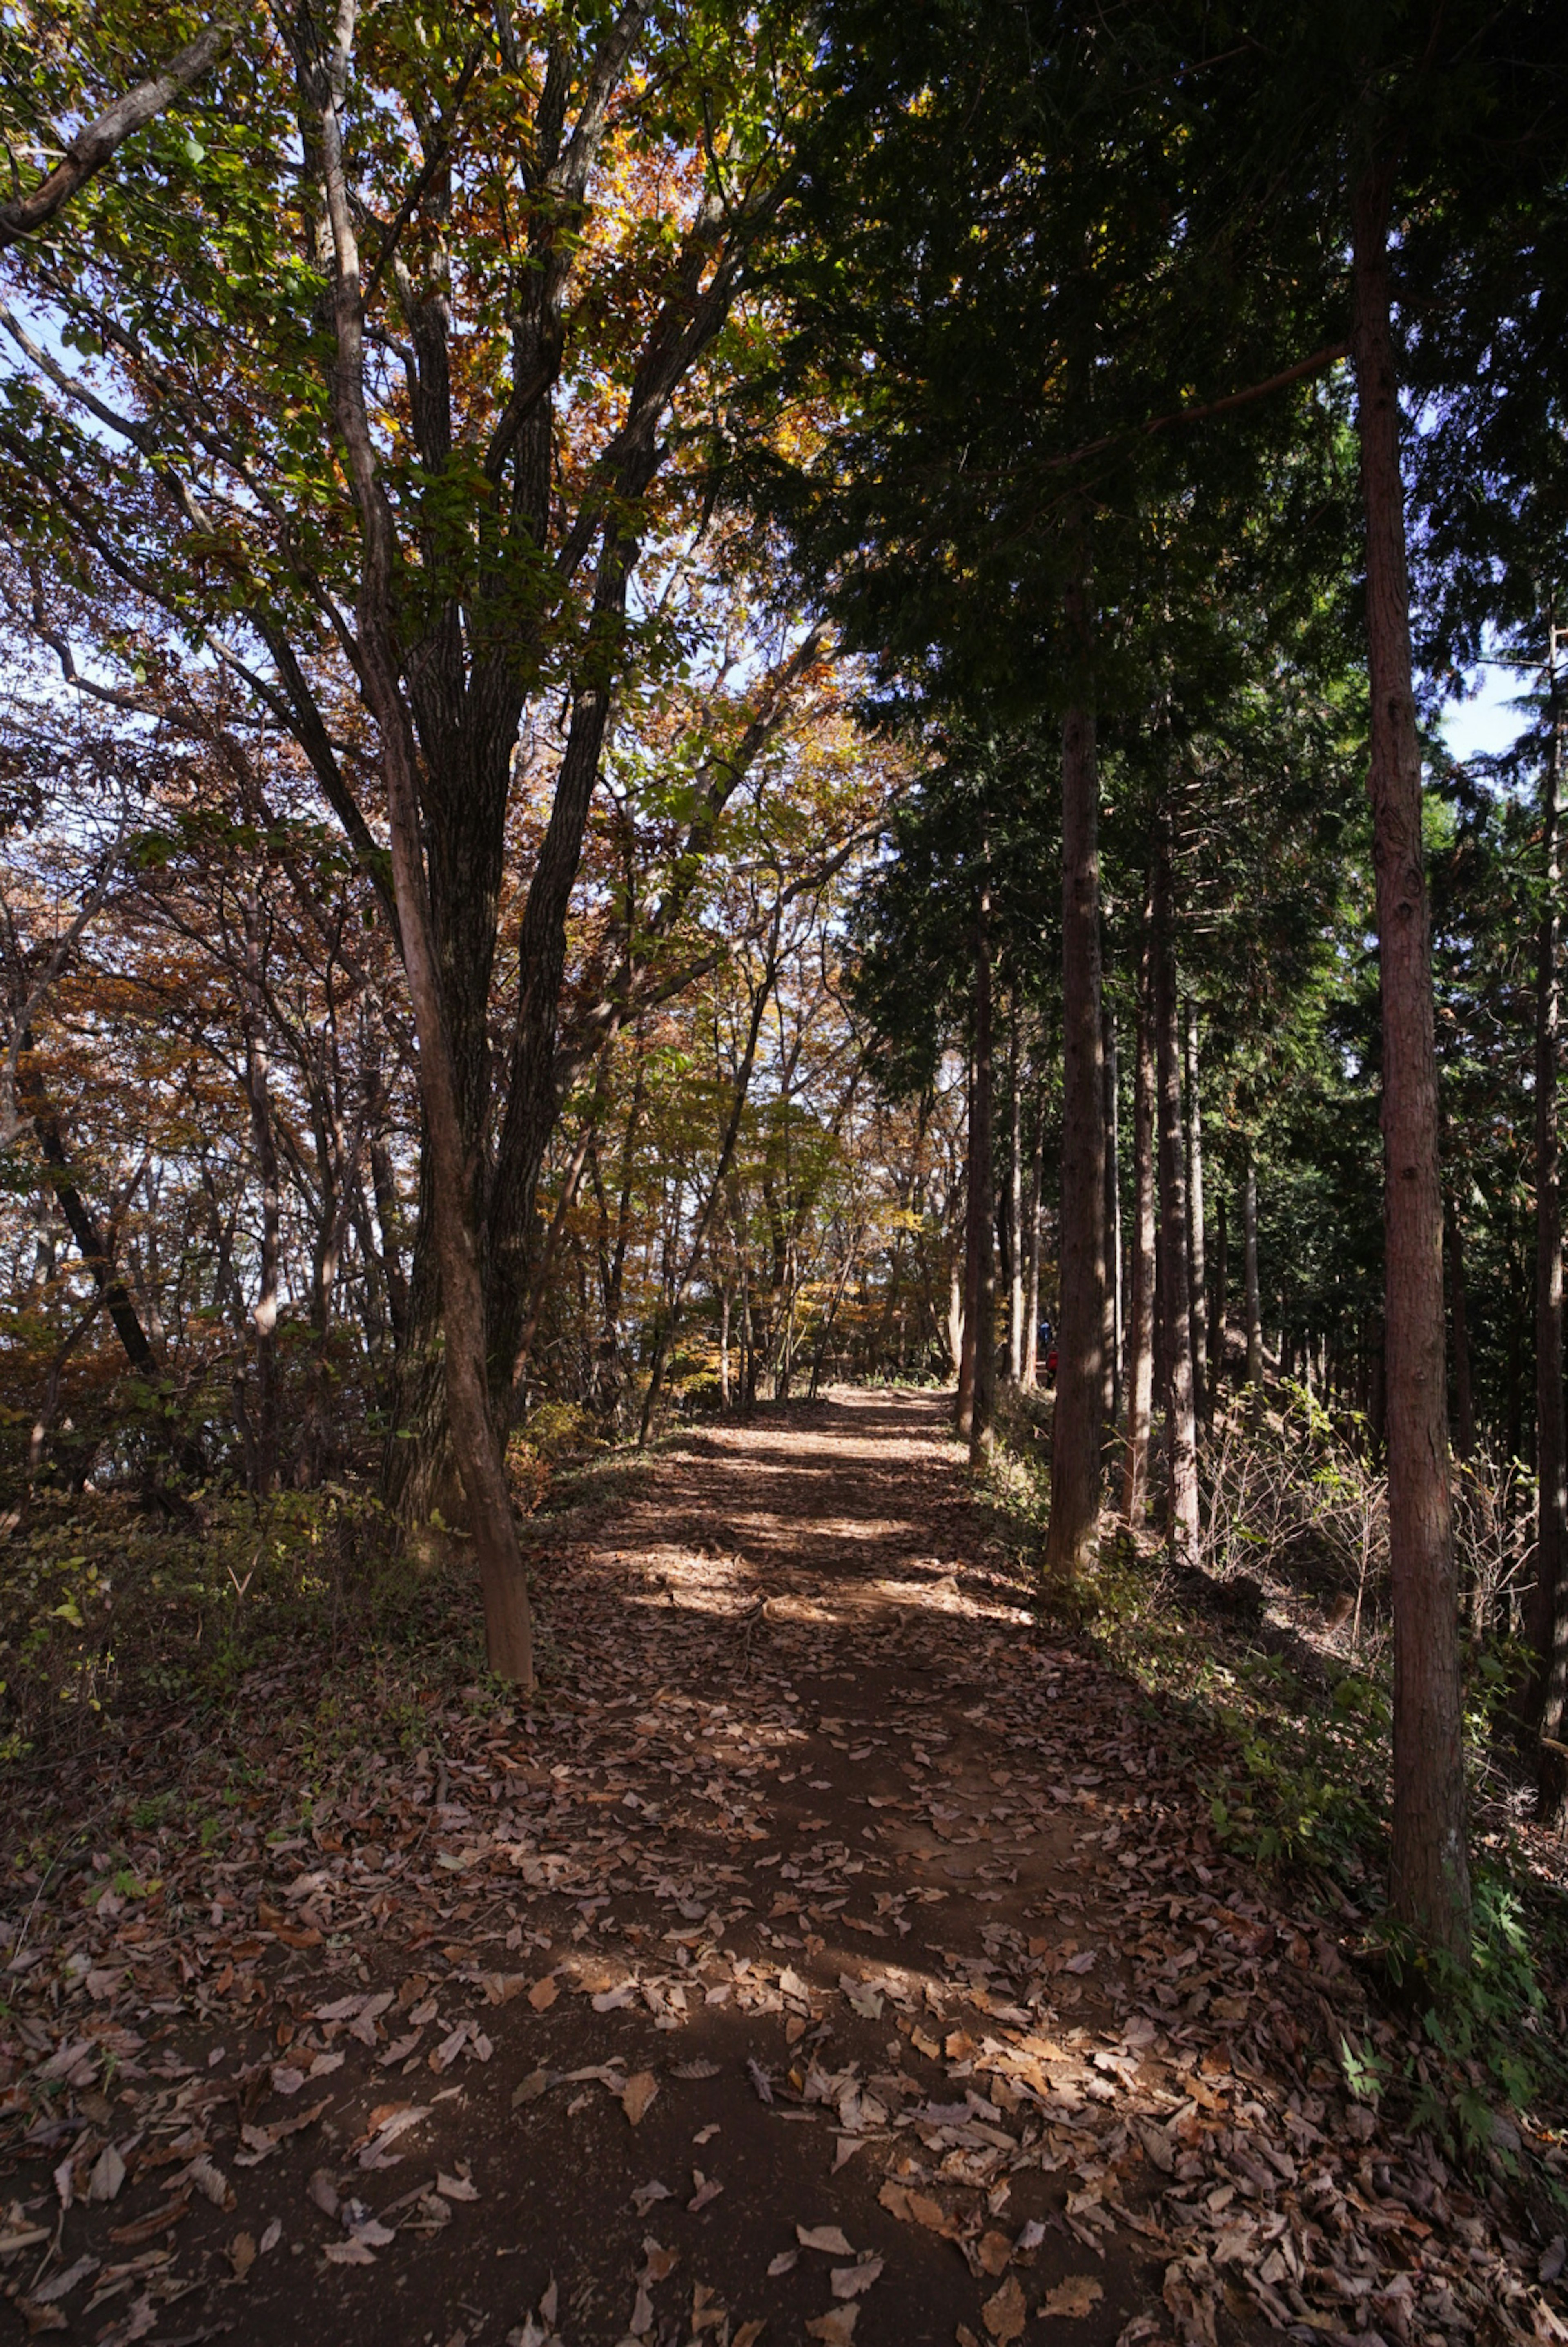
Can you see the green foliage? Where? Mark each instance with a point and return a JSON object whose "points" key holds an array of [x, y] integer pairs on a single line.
{"points": [[106, 1608]]}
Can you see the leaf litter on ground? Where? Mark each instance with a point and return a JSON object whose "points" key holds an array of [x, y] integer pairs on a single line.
{"points": [[935, 1890]]}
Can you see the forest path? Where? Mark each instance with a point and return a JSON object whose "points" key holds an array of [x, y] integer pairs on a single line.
{"points": [[823, 1893]]}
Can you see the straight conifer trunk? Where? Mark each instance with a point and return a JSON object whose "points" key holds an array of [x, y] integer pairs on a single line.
{"points": [[1250, 1273], [1141, 1268], [1113, 1220], [981, 1188], [1175, 1290], [1216, 1362], [1201, 1398], [1080, 1338], [1031, 1298], [969, 1284], [1015, 1208], [1549, 1628], [1429, 1873]]}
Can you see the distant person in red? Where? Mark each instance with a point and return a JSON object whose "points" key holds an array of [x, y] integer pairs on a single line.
{"points": [[1045, 1350]]}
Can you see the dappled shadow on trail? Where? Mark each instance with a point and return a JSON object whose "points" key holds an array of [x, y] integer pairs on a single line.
{"points": [[834, 1949]]}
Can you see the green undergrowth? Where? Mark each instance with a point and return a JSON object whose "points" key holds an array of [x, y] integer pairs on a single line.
{"points": [[116, 1607], [1290, 1744]]}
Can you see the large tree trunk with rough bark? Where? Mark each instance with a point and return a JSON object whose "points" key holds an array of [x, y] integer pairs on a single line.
{"points": [[1075, 1463], [1015, 1237], [982, 1205], [1175, 1290], [1141, 1268], [1198, 1289], [1217, 1325], [1036, 1222], [1429, 1871], [968, 1279], [1549, 1623], [1112, 1384]]}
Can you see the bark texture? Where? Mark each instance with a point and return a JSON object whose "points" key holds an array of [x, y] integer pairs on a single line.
{"points": [[1176, 1288], [1429, 1873], [1075, 1466], [1141, 1266], [1549, 1626], [980, 1188], [1192, 1100]]}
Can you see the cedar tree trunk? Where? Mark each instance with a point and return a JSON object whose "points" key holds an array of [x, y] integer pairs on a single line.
{"points": [[1429, 1873]]}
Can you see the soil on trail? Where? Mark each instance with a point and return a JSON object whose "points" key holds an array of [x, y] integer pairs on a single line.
{"points": [[831, 1952]]}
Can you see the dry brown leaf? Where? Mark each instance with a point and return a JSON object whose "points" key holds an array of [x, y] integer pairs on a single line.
{"points": [[242, 2254], [749, 2334], [837, 2328], [1074, 2297], [543, 1992], [993, 2251], [349, 2253], [39, 2318], [148, 2228], [637, 2094], [931, 2214], [830, 2237], [1005, 2314], [852, 2282]]}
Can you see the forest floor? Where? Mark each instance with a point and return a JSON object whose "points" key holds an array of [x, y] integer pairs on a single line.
{"points": [[835, 1950]]}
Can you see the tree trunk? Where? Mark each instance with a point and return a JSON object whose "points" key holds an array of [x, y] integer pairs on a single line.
{"points": [[1141, 1312], [1175, 1291], [1113, 1385], [492, 1528], [264, 1140], [1250, 1276], [383, 1186], [980, 1190], [1015, 1208], [1075, 1448], [1217, 1321], [963, 1408], [1031, 1371], [1429, 1873], [1459, 1314], [1549, 1627], [1201, 1396]]}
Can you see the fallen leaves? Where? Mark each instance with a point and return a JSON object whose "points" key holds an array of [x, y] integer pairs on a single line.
{"points": [[1156, 2042], [638, 2095], [852, 2282], [1004, 2314], [835, 2329], [917, 2208], [1073, 2298], [829, 2238]]}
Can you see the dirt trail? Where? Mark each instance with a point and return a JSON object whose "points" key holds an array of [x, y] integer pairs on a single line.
{"points": [[824, 1889]]}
